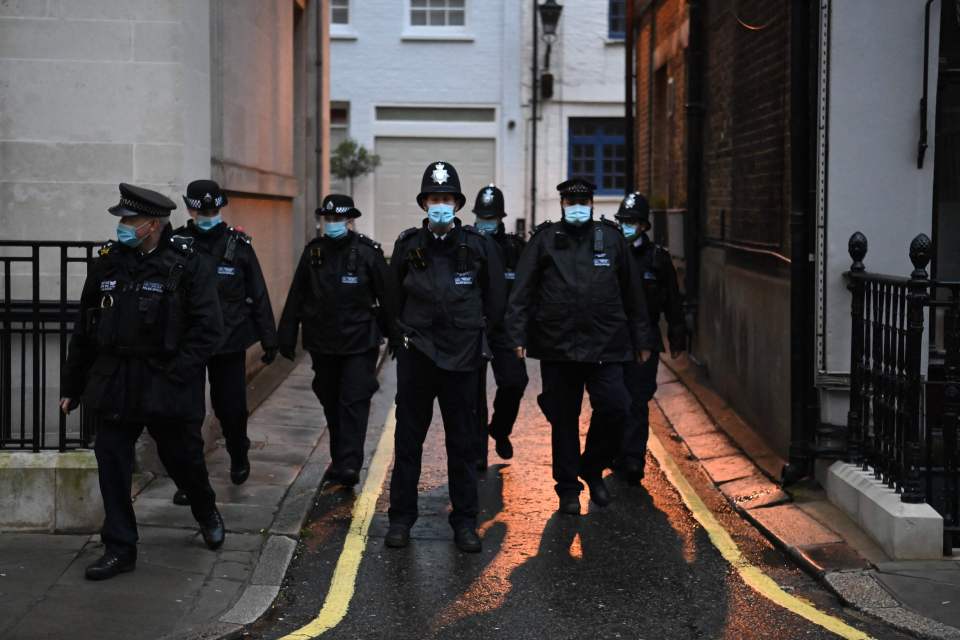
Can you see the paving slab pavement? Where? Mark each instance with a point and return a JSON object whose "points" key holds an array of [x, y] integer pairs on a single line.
{"points": [[920, 597], [180, 588]]}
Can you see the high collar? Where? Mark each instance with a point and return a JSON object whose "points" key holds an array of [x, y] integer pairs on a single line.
{"points": [[336, 243], [575, 230], [448, 237]]}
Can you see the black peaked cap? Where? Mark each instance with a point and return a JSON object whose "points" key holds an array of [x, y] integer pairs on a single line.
{"points": [[138, 201]]}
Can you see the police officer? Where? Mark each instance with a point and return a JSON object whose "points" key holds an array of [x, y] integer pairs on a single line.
{"points": [[451, 290], [247, 317], [574, 308], [149, 320], [653, 267], [509, 372], [343, 295]]}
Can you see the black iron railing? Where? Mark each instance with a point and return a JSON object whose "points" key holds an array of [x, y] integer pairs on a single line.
{"points": [[892, 429], [41, 284]]}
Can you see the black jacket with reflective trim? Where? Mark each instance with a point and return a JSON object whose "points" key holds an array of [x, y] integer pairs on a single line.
{"points": [[244, 299], [509, 246], [147, 325], [452, 291], [342, 294], [573, 300]]}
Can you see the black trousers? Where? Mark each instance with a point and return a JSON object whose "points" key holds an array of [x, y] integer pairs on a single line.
{"points": [[419, 382], [228, 395], [344, 385], [510, 374], [641, 382], [114, 448], [561, 401]]}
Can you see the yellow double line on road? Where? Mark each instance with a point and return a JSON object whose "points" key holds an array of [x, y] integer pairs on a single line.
{"points": [[344, 581], [751, 575], [345, 574]]}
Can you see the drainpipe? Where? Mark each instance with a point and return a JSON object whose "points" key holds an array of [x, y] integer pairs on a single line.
{"points": [[803, 409], [652, 10], [694, 145], [629, 83]]}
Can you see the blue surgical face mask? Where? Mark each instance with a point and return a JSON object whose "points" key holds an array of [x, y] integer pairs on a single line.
{"points": [[335, 229], [205, 223], [128, 235], [440, 214], [577, 214], [487, 226], [630, 231]]}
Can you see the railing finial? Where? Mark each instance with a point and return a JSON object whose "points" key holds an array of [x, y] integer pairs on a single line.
{"points": [[920, 256], [857, 247]]}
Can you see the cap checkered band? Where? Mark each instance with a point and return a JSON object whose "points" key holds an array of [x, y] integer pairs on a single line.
{"points": [[578, 187], [197, 203], [138, 206]]}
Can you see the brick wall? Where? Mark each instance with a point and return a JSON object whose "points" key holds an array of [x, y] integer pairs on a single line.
{"points": [[746, 141]]}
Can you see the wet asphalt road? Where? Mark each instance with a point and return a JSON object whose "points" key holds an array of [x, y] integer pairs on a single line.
{"points": [[641, 568]]}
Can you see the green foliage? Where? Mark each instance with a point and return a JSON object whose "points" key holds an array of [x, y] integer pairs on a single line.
{"points": [[351, 160]]}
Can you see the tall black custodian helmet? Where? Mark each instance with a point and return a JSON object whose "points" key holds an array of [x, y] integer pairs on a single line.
{"points": [[634, 207], [204, 195], [489, 203], [338, 205], [137, 201], [441, 177]]}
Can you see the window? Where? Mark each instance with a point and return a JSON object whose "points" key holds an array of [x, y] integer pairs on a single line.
{"points": [[437, 13], [339, 11], [339, 133], [436, 114], [597, 151], [617, 20]]}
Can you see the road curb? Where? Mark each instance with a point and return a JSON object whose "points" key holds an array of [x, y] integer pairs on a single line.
{"points": [[278, 550], [854, 586]]}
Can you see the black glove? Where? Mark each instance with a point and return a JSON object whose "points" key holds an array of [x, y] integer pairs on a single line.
{"points": [[288, 352], [269, 355]]}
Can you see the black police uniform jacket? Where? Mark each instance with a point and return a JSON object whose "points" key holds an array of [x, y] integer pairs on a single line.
{"points": [[147, 325], [452, 290], [652, 264], [244, 300], [509, 247], [573, 300], [342, 294]]}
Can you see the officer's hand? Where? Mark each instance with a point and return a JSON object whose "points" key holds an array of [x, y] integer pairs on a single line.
{"points": [[269, 355], [676, 354], [521, 352], [288, 353], [68, 404], [644, 355]]}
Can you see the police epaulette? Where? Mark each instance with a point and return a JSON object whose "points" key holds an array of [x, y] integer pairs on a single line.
{"points": [[407, 233], [610, 223], [469, 228], [540, 227], [183, 244], [240, 233], [106, 249], [370, 242]]}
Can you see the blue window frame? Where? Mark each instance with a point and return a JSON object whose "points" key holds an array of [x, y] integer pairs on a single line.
{"points": [[617, 20], [597, 151]]}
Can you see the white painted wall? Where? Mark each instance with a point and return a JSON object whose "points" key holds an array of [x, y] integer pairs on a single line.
{"points": [[588, 83], [375, 64], [873, 184]]}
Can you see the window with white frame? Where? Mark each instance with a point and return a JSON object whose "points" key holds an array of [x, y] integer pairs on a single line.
{"points": [[339, 11], [438, 13], [617, 20]]}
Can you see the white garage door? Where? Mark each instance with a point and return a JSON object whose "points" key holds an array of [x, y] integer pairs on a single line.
{"points": [[397, 179]]}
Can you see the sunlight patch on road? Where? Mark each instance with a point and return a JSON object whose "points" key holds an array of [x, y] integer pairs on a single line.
{"points": [[344, 580], [753, 576]]}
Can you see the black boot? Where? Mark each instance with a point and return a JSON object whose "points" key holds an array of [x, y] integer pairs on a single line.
{"points": [[599, 495], [504, 447], [109, 565], [632, 470], [349, 477], [181, 498], [467, 540], [398, 536], [212, 530], [239, 467]]}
